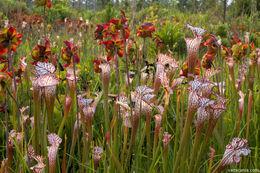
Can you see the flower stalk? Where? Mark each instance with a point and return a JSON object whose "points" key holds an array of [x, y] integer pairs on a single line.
{"points": [[68, 101]]}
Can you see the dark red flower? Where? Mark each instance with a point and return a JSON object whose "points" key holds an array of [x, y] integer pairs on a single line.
{"points": [[235, 39], [68, 52], [159, 42], [212, 52], [184, 69], [9, 34], [46, 3], [41, 53], [99, 61], [114, 46], [145, 30], [100, 33], [120, 24], [97, 69]]}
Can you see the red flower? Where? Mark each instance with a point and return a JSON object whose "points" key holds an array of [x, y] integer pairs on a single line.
{"points": [[184, 69], [100, 33], [99, 61], [41, 53], [212, 52], [3, 60], [235, 40], [159, 42], [9, 34], [68, 52], [145, 30], [97, 69], [120, 24], [46, 3], [114, 46]]}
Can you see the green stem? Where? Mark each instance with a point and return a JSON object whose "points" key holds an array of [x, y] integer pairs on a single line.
{"points": [[125, 143], [249, 112], [148, 134], [211, 126], [184, 139], [37, 109], [195, 147]]}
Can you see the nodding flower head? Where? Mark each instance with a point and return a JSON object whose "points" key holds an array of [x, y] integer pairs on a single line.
{"points": [[6, 35], [212, 47], [99, 33], [71, 77], [233, 151], [184, 69], [158, 121], [46, 3], [69, 53], [113, 47], [41, 53], [241, 101], [145, 30], [97, 152], [166, 139]]}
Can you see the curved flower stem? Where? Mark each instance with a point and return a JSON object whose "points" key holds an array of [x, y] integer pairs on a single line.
{"points": [[184, 139], [195, 147], [249, 112], [76, 88], [133, 134], [218, 168], [165, 158], [141, 141], [74, 138], [66, 112], [138, 66], [106, 111], [166, 104], [125, 143], [148, 134], [118, 165], [75, 133], [182, 105], [85, 143], [10, 59], [63, 167], [177, 131]]}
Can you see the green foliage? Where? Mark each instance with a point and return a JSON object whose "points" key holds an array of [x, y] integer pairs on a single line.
{"points": [[173, 37], [7, 5], [221, 31]]}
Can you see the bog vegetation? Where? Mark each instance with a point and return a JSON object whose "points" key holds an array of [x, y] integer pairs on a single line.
{"points": [[129, 86]]}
